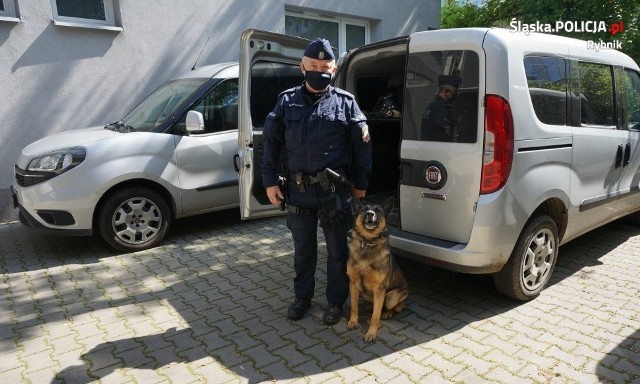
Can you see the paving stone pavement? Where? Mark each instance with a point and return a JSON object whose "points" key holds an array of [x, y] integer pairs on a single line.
{"points": [[209, 305]]}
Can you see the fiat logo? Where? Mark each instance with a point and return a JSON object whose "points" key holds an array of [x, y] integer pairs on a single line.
{"points": [[433, 175]]}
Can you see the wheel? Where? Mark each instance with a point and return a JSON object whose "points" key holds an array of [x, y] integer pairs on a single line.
{"points": [[632, 219], [532, 261], [134, 219]]}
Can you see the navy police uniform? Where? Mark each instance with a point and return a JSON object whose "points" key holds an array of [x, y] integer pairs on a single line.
{"points": [[439, 120], [317, 131]]}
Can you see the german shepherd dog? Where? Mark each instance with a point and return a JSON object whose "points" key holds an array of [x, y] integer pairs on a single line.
{"points": [[372, 270]]}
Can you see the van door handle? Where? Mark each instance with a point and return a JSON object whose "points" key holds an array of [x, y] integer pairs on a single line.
{"points": [[235, 163], [619, 156], [627, 154]]}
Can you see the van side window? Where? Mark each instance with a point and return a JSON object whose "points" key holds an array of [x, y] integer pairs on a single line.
{"points": [[268, 80], [441, 101], [597, 105], [632, 87], [547, 82], [220, 107]]}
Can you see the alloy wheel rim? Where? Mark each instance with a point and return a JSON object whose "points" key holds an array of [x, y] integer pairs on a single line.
{"points": [[538, 260], [137, 221]]}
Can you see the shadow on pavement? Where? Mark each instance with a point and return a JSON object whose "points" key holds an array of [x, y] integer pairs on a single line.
{"points": [[240, 321], [230, 282], [235, 310], [625, 357], [582, 254]]}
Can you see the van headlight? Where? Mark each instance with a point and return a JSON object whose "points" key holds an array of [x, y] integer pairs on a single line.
{"points": [[58, 162], [50, 165]]}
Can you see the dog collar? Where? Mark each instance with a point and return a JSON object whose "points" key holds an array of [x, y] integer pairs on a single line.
{"points": [[363, 240], [364, 244]]}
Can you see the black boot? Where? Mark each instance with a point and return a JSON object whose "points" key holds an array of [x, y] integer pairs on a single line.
{"points": [[333, 314], [298, 309]]}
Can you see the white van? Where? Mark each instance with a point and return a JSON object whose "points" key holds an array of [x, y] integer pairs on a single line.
{"points": [[170, 157], [542, 146]]}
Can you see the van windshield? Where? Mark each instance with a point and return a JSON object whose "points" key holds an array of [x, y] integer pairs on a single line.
{"points": [[161, 104]]}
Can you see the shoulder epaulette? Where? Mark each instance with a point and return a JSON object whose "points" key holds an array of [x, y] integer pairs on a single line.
{"points": [[343, 92], [290, 90]]}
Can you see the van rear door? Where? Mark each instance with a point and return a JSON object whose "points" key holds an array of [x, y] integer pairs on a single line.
{"points": [[441, 152], [269, 64]]}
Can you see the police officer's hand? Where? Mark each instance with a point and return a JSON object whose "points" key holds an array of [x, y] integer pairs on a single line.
{"points": [[275, 195], [358, 193]]}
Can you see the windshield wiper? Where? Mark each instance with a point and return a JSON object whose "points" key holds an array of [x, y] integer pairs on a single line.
{"points": [[119, 126], [111, 126]]}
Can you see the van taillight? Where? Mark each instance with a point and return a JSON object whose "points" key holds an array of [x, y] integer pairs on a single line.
{"points": [[498, 144]]}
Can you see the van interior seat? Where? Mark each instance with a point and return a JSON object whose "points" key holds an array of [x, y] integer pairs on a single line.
{"points": [[230, 115], [213, 119]]}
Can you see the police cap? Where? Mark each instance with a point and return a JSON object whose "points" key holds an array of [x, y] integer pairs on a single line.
{"points": [[319, 49]]}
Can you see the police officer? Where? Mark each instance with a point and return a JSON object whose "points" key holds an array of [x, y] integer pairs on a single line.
{"points": [[317, 126], [439, 121]]}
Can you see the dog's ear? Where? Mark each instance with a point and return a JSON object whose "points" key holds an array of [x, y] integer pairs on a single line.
{"points": [[355, 206], [388, 205]]}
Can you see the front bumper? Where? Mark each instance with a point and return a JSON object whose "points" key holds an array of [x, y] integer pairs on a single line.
{"points": [[28, 220]]}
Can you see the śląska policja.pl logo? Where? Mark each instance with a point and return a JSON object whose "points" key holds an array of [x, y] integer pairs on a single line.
{"points": [[589, 26]]}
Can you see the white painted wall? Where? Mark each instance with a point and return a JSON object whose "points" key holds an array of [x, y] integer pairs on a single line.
{"points": [[55, 78]]}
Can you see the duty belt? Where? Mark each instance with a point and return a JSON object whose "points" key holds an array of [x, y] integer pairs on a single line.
{"points": [[303, 182], [325, 178], [306, 179], [300, 211]]}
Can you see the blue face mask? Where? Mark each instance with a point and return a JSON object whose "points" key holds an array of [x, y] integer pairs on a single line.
{"points": [[319, 81]]}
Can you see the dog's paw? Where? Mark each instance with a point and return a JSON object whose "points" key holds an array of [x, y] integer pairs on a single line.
{"points": [[353, 324], [370, 337], [387, 314]]}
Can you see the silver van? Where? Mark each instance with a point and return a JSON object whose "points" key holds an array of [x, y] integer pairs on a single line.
{"points": [[170, 157], [541, 143]]}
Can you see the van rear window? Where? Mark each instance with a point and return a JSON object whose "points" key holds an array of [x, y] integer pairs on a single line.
{"points": [[547, 81], [441, 100]]}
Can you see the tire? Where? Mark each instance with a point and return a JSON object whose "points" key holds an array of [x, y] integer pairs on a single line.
{"points": [[532, 261], [134, 219], [632, 219]]}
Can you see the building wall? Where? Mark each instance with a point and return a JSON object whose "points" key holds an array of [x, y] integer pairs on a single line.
{"points": [[56, 78]]}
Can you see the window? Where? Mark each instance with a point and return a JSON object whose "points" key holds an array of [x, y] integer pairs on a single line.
{"points": [[632, 105], [88, 12], [547, 82], [441, 100], [596, 94], [162, 104], [220, 107], [7, 10], [267, 81], [344, 34]]}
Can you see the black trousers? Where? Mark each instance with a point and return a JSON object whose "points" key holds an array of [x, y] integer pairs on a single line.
{"points": [[303, 227]]}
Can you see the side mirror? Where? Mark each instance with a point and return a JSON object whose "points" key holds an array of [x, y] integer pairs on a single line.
{"points": [[195, 122]]}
